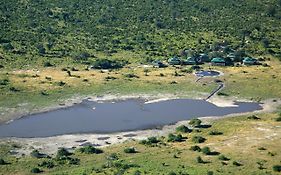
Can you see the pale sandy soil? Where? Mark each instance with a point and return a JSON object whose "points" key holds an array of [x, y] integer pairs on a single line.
{"points": [[50, 145]]}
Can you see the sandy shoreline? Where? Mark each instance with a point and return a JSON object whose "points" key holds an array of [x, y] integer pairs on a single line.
{"points": [[50, 145]]}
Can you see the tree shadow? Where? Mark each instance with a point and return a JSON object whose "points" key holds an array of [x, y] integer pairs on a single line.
{"points": [[204, 126]]}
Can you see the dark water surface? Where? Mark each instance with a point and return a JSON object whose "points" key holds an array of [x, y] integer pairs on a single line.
{"points": [[109, 117], [207, 73]]}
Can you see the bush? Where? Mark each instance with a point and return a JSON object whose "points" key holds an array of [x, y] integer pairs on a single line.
{"points": [[195, 122], [198, 139], [37, 154], [48, 64], [223, 158], [113, 156], [2, 162], [277, 168], [195, 148], [150, 141], [73, 161], [253, 117], [172, 173], [47, 164], [35, 170], [222, 94], [130, 150], [68, 160], [183, 129], [62, 152], [90, 150], [61, 83], [130, 75], [236, 163], [175, 138], [107, 64], [206, 150], [137, 172], [215, 133], [4, 82], [199, 160], [278, 119], [210, 173], [74, 69], [13, 89]]}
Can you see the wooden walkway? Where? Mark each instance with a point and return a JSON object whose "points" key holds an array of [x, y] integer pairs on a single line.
{"points": [[220, 87]]}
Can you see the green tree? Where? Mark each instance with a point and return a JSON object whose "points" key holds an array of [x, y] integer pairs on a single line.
{"points": [[195, 122]]}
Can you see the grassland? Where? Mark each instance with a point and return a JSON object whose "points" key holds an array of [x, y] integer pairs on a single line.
{"points": [[28, 90], [253, 143]]}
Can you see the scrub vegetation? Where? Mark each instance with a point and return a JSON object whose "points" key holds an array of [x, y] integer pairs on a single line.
{"points": [[51, 51], [257, 140]]}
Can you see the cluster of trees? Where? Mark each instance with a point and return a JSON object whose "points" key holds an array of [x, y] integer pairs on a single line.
{"points": [[159, 28]]}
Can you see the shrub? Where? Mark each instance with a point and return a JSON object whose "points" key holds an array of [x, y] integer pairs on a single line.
{"points": [[175, 138], [150, 141], [210, 173], [199, 160], [130, 75], [35, 153], [61, 83], [90, 150], [278, 119], [206, 150], [222, 94], [2, 162], [195, 122], [261, 148], [68, 160], [183, 129], [44, 93], [277, 168], [35, 170], [130, 150], [172, 173], [73, 161], [236, 163], [215, 133], [107, 64], [113, 156], [4, 82], [69, 73], [62, 152], [74, 69], [110, 78], [137, 172], [48, 64], [195, 148], [198, 139], [13, 89], [47, 164], [223, 158], [253, 117]]}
